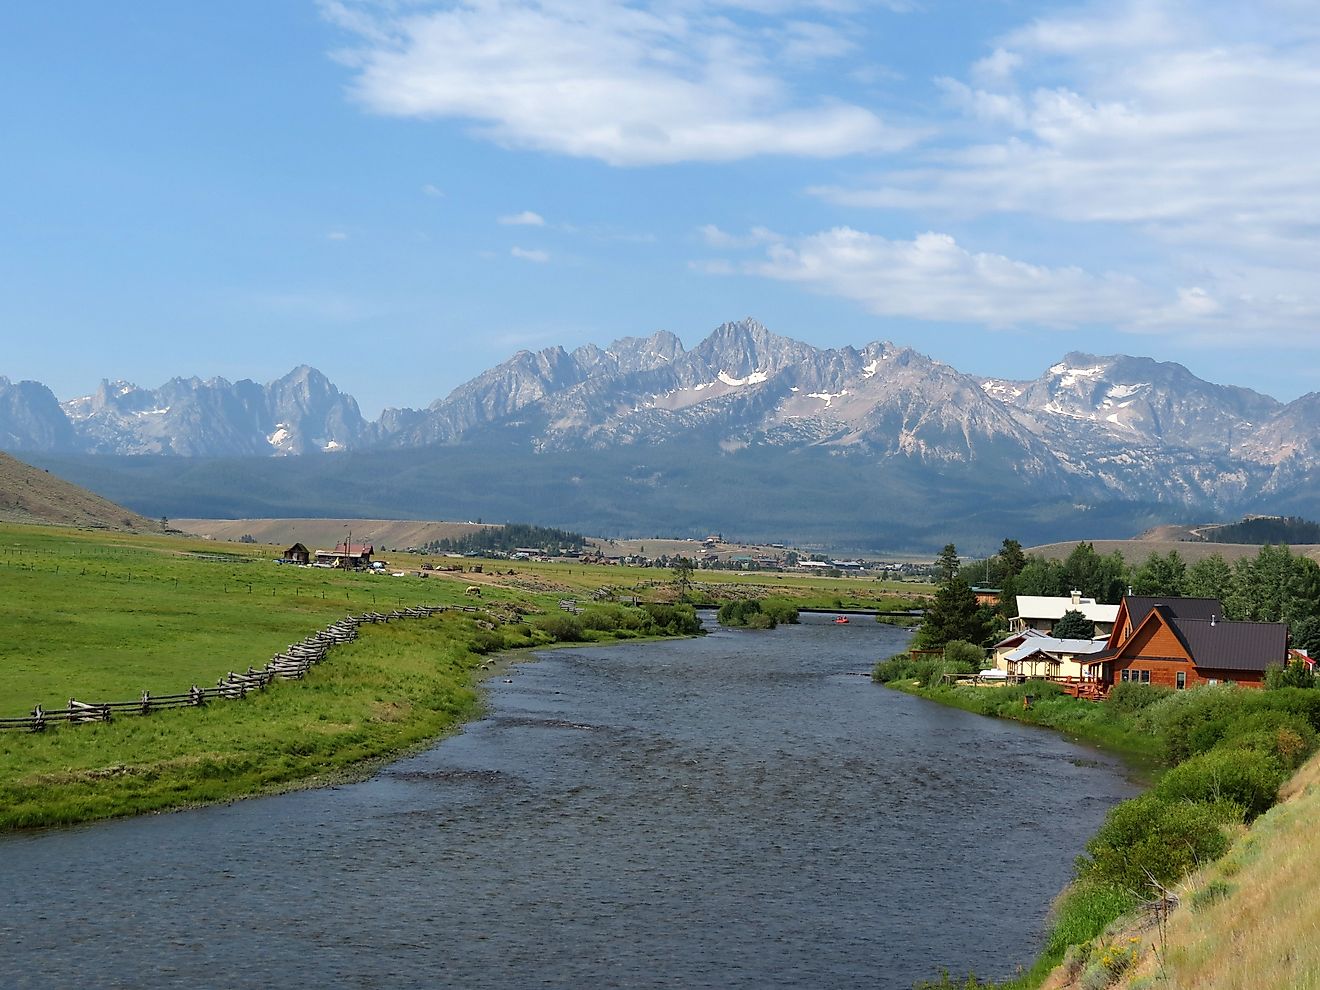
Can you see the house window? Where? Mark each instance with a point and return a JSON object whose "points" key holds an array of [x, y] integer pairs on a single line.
{"points": [[1182, 679], [1145, 677], [1123, 675]]}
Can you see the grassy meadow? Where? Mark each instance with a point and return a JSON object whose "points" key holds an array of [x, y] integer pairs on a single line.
{"points": [[101, 616]]}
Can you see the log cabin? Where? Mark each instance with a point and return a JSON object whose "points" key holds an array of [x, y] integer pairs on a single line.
{"points": [[1184, 642]]}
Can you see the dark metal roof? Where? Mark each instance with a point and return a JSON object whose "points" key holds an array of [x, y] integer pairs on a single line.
{"points": [[1220, 645], [1139, 606]]}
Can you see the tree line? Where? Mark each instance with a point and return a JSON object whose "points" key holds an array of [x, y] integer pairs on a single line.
{"points": [[508, 538], [1276, 585]]}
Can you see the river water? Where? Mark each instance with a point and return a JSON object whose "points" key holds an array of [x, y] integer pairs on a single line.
{"points": [[741, 810]]}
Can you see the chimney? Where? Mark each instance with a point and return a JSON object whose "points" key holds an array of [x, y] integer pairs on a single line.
{"points": [[1076, 597]]}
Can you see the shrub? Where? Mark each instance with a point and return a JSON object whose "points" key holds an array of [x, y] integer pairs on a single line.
{"points": [[1153, 838], [780, 610], [1084, 911], [929, 673], [564, 628], [1250, 730], [1245, 777], [1129, 699], [899, 667], [964, 656], [740, 613], [675, 620], [1296, 674]]}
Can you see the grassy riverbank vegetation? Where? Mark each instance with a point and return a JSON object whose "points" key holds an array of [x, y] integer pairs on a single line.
{"points": [[102, 617], [1227, 752]]}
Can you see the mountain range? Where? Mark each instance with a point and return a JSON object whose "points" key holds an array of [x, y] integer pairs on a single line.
{"points": [[1090, 431]]}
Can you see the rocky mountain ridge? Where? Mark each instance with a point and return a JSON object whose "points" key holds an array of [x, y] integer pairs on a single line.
{"points": [[1090, 428]]}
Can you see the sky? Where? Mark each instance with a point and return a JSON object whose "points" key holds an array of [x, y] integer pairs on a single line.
{"points": [[403, 193]]}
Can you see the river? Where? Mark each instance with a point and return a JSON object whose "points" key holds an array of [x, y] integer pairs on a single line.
{"points": [[744, 810]]}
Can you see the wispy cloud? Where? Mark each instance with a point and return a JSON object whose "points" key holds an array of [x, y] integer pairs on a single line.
{"points": [[932, 277], [1188, 128], [654, 82], [336, 235], [435, 192], [530, 254], [524, 219]]}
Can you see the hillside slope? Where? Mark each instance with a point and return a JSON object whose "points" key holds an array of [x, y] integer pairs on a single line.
{"points": [[31, 495], [1250, 921]]}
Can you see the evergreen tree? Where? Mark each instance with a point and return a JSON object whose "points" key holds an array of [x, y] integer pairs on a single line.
{"points": [[946, 564], [1074, 625], [1011, 558], [954, 612]]}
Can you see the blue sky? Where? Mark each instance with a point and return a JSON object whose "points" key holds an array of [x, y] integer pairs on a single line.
{"points": [[403, 193]]}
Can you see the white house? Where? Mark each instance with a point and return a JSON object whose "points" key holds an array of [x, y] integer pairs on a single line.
{"points": [[1045, 656], [1040, 612]]}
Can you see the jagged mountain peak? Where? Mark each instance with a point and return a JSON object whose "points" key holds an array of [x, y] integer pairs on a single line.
{"points": [[1088, 427]]}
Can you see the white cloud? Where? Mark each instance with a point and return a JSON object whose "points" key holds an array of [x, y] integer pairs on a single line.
{"points": [[433, 191], [1189, 128], [648, 83], [717, 238], [530, 254], [336, 235], [932, 277], [524, 219]]}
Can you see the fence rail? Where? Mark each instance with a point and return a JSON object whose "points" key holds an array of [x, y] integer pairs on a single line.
{"points": [[291, 663]]}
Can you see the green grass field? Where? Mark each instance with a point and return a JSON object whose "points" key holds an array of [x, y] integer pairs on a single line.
{"points": [[102, 616]]}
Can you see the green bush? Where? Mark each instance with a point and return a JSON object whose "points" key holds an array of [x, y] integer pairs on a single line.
{"points": [[1130, 699], [1189, 722], [741, 612], [899, 667], [1152, 837], [1245, 777], [674, 620], [1297, 675], [966, 657], [1265, 723], [1083, 911], [564, 628], [929, 673], [780, 610]]}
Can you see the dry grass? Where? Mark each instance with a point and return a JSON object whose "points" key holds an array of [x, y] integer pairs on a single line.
{"points": [[1252, 920], [30, 495], [1136, 551], [325, 533]]}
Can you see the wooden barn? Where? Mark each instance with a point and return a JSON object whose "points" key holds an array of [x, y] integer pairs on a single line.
{"points": [[1184, 642], [347, 555], [297, 554]]}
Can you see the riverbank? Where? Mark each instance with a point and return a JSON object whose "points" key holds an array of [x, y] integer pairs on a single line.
{"points": [[1045, 705], [1228, 755]]}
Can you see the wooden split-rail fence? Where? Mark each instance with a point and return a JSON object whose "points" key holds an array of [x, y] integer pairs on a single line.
{"points": [[292, 663]]}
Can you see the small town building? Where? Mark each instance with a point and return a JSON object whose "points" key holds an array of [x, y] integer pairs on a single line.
{"points": [[1041, 612], [297, 554], [1010, 643], [347, 555], [987, 596], [1050, 658]]}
